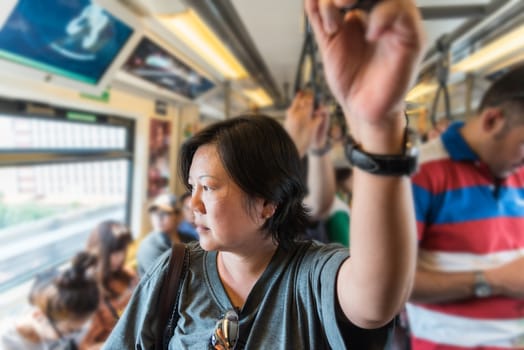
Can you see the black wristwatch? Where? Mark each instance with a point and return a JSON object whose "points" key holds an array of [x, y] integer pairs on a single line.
{"points": [[389, 165], [482, 288]]}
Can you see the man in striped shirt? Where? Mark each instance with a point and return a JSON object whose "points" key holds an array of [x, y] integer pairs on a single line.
{"points": [[469, 199]]}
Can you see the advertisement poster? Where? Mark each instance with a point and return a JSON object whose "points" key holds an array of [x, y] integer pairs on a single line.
{"points": [[75, 39], [158, 171], [154, 64]]}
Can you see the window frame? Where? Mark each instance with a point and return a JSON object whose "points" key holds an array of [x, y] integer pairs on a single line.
{"points": [[17, 157]]}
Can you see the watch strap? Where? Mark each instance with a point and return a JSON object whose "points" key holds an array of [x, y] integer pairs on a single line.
{"points": [[482, 288], [479, 277], [321, 151], [389, 165]]}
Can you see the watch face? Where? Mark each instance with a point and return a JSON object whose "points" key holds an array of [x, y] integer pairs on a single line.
{"points": [[482, 290]]}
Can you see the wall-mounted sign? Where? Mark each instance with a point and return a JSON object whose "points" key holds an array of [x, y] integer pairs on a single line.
{"points": [[160, 107], [158, 173], [155, 64]]}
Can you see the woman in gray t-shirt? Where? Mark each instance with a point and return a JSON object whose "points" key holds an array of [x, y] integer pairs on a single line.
{"points": [[249, 282]]}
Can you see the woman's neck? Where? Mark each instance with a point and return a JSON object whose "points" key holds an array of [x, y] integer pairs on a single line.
{"points": [[240, 272]]}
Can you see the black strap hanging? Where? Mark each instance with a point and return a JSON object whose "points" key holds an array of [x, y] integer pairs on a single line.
{"points": [[442, 73], [307, 72]]}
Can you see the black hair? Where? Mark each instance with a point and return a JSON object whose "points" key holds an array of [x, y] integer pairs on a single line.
{"points": [[108, 237], [263, 161], [342, 174], [184, 196], [69, 294], [507, 92]]}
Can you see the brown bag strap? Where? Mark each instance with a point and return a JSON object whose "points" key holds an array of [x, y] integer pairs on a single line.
{"points": [[168, 293]]}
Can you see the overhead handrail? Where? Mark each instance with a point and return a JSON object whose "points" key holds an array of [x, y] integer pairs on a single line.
{"points": [[442, 74], [308, 55], [502, 8], [307, 71]]}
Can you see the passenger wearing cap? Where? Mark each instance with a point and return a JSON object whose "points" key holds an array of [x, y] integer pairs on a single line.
{"points": [[187, 224], [165, 217]]}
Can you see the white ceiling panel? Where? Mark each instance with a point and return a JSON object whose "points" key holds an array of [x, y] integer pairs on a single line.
{"points": [[276, 28]]}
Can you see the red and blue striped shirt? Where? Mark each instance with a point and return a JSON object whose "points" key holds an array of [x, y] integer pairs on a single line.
{"points": [[467, 221]]}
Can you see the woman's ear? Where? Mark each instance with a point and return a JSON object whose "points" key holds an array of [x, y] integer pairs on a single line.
{"points": [[268, 210]]}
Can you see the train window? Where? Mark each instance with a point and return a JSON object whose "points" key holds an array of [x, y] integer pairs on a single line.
{"points": [[60, 177], [47, 211], [34, 133]]}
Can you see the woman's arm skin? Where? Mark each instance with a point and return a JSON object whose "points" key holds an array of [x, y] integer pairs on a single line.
{"points": [[370, 61]]}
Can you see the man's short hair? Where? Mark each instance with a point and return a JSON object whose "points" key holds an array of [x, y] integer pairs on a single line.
{"points": [[507, 91]]}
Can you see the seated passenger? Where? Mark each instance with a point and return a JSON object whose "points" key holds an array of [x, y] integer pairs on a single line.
{"points": [[187, 225], [165, 216], [109, 242], [62, 303]]}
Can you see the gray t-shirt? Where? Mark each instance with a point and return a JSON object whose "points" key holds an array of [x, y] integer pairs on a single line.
{"points": [[292, 306]]}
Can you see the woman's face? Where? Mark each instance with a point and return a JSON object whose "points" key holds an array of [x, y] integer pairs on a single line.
{"points": [[507, 151], [117, 260], [163, 221], [66, 327], [221, 217]]}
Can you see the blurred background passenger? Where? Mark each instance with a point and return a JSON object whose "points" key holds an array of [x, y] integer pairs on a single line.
{"points": [[109, 242], [337, 222], [61, 304], [165, 218], [469, 201], [344, 181], [187, 224], [437, 130], [308, 128]]}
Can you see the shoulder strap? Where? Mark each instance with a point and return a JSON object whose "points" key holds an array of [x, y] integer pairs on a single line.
{"points": [[168, 292], [111, 308]]}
